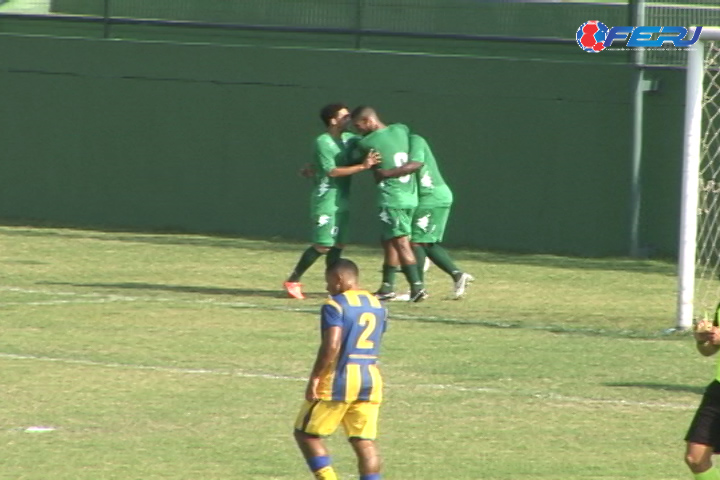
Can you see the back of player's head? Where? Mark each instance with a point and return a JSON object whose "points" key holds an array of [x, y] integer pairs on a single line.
{"points": [[362, 112], [330, 111], [344, 268]]}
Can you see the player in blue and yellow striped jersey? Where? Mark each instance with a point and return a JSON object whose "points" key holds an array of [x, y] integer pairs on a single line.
{"points": [[345, 385]]}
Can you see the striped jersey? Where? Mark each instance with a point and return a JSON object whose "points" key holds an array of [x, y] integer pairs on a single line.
{"points": [[354, 375]]}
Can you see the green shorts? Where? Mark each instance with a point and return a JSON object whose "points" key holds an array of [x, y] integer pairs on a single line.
{"points": [[330, 228], [395, 222], [428, 224]]}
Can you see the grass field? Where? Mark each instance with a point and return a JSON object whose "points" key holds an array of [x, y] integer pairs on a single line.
{"points": [[176, 357]]}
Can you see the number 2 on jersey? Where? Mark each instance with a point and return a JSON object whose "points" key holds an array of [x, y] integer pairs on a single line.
{"points": [[368, 321]]}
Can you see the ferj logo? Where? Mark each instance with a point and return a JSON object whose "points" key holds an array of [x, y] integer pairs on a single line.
{"points": [[594, 36]]}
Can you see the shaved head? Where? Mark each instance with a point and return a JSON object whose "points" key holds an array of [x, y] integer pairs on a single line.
{"points": [[365, 119], [344, 267], [363, 112], [342, 276]]}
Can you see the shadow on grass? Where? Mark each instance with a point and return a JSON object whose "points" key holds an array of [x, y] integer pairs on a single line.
{"points": [[140, 286], [275, 244], [312, 306], [158, 238], [622, 264], [660, 386]]}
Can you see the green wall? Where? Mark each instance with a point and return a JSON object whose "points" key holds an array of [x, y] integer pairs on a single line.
{"points": [[208, 138], [528, 19]]}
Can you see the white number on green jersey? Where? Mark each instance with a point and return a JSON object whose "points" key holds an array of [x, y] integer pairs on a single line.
{"points": [[401, 158]]}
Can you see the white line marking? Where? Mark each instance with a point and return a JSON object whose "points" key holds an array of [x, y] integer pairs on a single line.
{"points": [[458, 388], [186, 371], [56, 302], [107, 298], [39, 429], [127, 298]]}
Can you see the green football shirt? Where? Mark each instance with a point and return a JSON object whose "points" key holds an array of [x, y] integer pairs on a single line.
{"points": [[432, 189], [330, 194], [393, 144]]}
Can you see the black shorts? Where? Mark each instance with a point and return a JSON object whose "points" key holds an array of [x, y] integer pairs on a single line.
{"points": [[705, 426]]}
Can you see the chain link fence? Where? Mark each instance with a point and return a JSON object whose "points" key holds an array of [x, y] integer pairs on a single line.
{"points": [[544, 21], [671, 12]]}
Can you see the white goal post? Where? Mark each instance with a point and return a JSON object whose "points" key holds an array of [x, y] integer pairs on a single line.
{"points": [[699, 246]]}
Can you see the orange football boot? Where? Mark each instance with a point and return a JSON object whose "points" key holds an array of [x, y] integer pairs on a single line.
{"points": [[294, 290]]}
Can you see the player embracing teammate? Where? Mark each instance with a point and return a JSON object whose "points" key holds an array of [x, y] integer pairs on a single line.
{"points": [[413, 203]]}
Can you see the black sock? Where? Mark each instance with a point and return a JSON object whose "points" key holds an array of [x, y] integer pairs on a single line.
{"points": [[332, 256], [420, 256], [388, 279], [306, 260], [441, 258]]}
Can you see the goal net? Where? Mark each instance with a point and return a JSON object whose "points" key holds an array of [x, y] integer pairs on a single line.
{"points": [[699, 252]]}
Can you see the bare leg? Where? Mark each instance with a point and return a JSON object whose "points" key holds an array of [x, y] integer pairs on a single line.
{"points": [[698, 457], [391, 261], [310, 446], [404, 250], [313, 447], [410, 268], [392, 257], [369, 461]]}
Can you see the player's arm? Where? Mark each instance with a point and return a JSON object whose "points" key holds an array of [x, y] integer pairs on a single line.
{"points": [[407, 169], [326, 161], [371, 159], [307, 171], [707, 338], [327, 354], [416, 155]]}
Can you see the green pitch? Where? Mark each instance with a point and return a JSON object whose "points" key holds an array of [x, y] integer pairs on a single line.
{"points": [[151, 357]]}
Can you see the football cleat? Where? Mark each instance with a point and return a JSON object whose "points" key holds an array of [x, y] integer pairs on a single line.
{"points": [[294, 290], [419, 296], [385, 296], [461, 285]]}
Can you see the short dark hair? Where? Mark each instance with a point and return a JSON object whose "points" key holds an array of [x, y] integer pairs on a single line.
{"points": [[328, 112], [343, 265], [362, 111]]}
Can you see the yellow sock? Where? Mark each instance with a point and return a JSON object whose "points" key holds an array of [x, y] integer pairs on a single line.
{"points": [[328, 473], [711, 474]]}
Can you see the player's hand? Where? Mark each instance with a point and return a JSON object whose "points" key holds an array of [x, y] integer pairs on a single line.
{"points": [[311, 392], [713, 336], [371, 159], [307, 171], [703, 329]]}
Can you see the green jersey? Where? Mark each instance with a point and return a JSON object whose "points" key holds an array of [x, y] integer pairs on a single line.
{"points": [[393, 145], [330, 194], [432, 189]]}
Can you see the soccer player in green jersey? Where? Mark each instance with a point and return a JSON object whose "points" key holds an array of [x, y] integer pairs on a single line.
{"points": [[329, 204], [431, 215], [703, 436], [345, 385], [397, 196]]}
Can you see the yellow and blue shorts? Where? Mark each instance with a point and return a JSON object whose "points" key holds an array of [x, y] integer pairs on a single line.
{"points": [[321, 418]]}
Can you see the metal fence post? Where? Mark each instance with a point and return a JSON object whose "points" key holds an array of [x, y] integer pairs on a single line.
{"points": [[106, 19], [637, 18], [358, 23]]}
